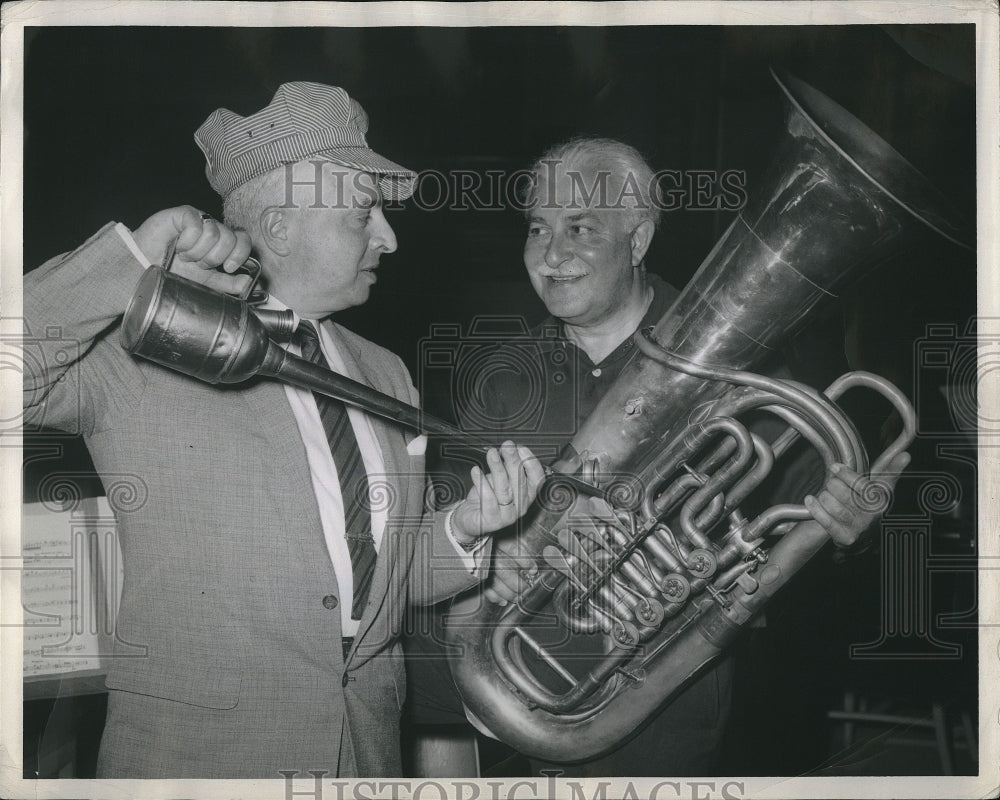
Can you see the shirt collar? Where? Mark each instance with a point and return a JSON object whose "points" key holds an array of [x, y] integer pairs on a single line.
{"points": [[663, 297], [274, 304]]}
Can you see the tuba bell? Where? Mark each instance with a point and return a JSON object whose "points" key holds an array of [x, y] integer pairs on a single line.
{"points": [[661, 581]]}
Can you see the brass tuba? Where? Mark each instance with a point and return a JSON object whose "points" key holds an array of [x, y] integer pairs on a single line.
{"points": [[662, 580]]}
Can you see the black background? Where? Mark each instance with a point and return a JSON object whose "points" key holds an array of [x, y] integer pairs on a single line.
{"points": [[109, 115]]}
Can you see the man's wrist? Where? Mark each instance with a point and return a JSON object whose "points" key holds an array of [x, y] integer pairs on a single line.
{"points": [[457, 532]]}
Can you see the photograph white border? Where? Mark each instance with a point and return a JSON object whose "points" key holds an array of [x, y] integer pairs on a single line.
{"points": [[16, 16]]}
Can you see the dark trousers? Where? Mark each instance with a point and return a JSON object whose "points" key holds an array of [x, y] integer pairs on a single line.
{"points": [[682, 739]]}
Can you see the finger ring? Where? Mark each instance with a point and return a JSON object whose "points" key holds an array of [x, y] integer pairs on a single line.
{"points": [[508, 503]]}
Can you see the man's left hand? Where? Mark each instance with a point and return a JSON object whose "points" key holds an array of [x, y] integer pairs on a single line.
{"points": [[844, 507], [500, 498]]}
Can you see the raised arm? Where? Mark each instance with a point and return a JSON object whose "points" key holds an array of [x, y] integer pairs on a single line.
{"points": [[72, 369]]}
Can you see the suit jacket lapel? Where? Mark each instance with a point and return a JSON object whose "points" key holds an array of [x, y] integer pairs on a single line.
{"points": [[272, 424]]}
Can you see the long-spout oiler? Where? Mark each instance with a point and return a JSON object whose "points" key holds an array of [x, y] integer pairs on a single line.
{"points": [[218, 338]]}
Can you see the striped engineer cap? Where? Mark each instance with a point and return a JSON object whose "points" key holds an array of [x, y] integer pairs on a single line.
{"points": [[303, 121]]}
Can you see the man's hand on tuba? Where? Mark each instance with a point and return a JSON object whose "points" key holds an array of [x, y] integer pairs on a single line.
{"points": [[849, 503]]}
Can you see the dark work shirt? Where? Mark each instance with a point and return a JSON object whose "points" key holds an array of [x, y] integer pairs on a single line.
{"points": [[543, 386]]}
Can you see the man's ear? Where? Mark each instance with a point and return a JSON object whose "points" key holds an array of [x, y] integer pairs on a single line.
{"points": [[640, 240], [274, 230]]}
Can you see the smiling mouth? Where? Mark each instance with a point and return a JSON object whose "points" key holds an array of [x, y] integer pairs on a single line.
{"points": [[565, 278]]}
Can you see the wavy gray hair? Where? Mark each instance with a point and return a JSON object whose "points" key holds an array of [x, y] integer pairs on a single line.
{"points": [[631, 177]]}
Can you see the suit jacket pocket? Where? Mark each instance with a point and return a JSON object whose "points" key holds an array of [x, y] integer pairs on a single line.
{"points": [[208, 675]]}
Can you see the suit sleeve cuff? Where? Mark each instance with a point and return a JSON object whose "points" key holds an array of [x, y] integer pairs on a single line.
{"points": [[126, 236], [472, 557]]}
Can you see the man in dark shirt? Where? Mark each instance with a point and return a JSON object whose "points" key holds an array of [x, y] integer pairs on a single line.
{"points": [[586, 261], [591, 220]]}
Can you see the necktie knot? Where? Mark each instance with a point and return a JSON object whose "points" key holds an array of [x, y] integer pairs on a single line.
{"points": [[306, 337]]}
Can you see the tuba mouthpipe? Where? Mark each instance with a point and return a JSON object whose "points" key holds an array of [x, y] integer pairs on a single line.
{"points": [[843, 421]]}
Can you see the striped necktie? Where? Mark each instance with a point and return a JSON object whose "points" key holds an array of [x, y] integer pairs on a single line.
{"points": [[350, 470]]}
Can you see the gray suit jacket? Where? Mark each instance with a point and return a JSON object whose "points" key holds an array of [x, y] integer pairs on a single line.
{"points": [[228, 658]]}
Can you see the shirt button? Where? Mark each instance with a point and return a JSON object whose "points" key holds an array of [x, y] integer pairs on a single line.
{"points": [[596, 373], [344, 680], [330, 601]]}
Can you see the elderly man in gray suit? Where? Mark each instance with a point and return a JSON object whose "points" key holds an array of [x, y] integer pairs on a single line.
{"points": [[281, 533]]}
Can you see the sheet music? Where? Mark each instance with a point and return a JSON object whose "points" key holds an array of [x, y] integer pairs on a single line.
{"points": [[70, 587]]}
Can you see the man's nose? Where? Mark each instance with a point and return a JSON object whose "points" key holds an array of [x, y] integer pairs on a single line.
{"points": [[558, 250], [384, 237]]}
